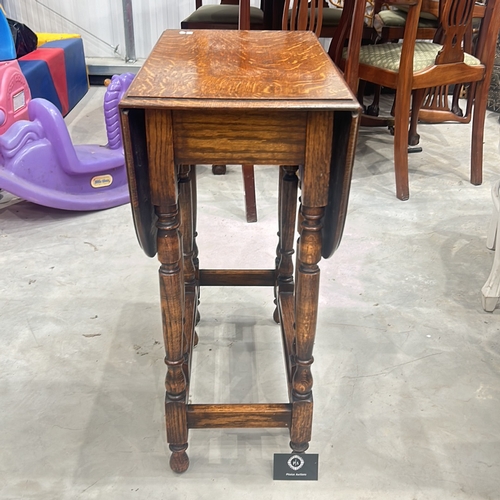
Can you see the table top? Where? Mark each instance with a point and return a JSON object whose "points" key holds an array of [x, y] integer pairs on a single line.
{"points": [[261, 74], [222, 68]]}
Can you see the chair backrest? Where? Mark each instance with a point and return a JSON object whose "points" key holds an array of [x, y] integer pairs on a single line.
{"points": [[455, 18], [303, 15], [479, 40], [349, 33]]}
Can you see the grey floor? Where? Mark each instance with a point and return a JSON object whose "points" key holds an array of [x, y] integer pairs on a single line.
{"points": [[407, 363]]}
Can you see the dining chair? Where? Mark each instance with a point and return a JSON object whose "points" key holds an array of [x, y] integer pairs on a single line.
{"points": [[436, 107], [331, 20], [331, 14], [390, 23], [410, 67], [304, 15], [221, 16], [328, 21]]}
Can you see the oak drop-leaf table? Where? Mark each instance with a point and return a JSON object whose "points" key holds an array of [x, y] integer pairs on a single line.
{"points": [[239, 97]]}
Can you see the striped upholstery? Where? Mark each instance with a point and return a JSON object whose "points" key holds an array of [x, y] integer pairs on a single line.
{"points": [[387, 56]]}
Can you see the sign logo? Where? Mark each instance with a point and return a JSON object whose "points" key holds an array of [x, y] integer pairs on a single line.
{"points": [[295, 462], [100, 181], [295, 466]]}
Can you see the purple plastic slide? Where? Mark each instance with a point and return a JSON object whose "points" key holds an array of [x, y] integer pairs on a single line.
{"points": [[39, 163]]}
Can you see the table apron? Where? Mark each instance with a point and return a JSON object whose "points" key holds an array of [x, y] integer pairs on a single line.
{"points": [[255, 137], [237, 137]]}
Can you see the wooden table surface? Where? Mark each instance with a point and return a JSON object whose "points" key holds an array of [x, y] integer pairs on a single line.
{"points": [[266, 69]]}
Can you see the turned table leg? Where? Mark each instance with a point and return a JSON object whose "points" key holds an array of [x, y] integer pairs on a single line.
{"points": [[287, 208], [186, 210], [172, 310], [196, 262], [306, 309]]}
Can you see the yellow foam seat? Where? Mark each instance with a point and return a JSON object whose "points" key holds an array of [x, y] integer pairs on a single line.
{"points": [[50, 37]]}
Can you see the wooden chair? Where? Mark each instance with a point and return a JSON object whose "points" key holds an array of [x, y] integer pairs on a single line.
{"points": [[332, 12], [412, 66], [436, 107], [331, 20], [328, 21], [304, 15], [222, 16], [390, 23]]}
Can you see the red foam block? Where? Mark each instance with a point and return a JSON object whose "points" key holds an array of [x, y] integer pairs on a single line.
{"points": [[54, 57]]}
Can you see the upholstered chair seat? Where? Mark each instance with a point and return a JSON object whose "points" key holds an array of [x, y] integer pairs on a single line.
{"points": [[388, 55], [222, 14], [397, 18]]}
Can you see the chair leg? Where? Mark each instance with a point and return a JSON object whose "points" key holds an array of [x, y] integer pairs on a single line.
{"points": [[491, 235], [374, 108], [249, 186], [479, 115], [490, 292], [402, 115], [455, 108], [416, 104], [361, 92]]}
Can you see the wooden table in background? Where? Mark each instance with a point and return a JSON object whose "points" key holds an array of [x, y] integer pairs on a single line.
{"points": [[239, 97]]}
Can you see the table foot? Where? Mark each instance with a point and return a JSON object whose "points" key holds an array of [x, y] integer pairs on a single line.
{"points": [[219, 169], [179, 461], [299, 447], [196, 339]]}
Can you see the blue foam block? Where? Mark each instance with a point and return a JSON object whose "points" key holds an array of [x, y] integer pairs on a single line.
{"points": [[76, 69], [40, 81]]}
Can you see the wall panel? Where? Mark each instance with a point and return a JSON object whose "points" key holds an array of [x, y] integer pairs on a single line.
{"points": [[100, 22]]}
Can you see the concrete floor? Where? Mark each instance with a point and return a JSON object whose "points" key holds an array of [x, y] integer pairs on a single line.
{"points": [[407, 364]]}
